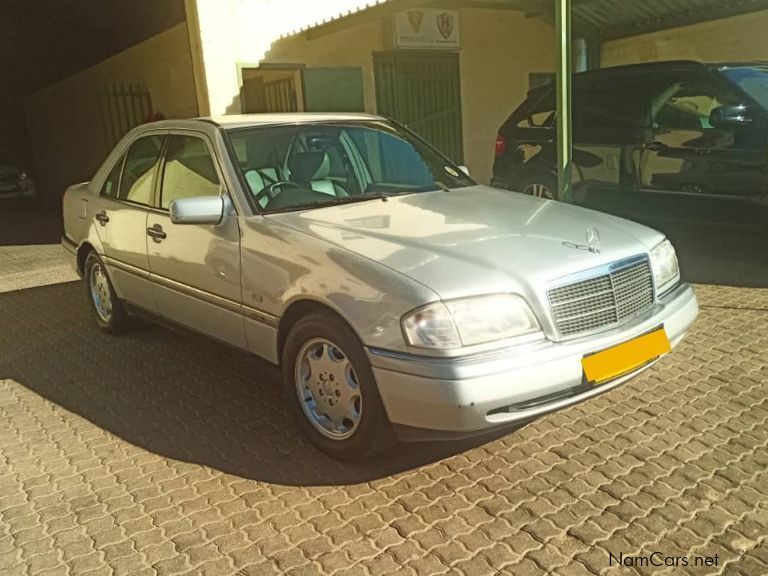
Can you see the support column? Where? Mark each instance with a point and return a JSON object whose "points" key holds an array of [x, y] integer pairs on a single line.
{"points": [[564, 99]]}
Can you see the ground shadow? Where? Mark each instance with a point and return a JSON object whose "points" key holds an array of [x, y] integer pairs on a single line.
{"points": [[175, 393], [29, 221]]}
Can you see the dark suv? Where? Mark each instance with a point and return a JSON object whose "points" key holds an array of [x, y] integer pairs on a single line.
{"points": [[681, 146]]}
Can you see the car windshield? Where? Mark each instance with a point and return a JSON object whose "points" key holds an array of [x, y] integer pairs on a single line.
{"points": [[314, 165], [753, 80]]}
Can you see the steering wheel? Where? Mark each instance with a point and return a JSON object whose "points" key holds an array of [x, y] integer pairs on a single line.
{"points": [[273, 190]]}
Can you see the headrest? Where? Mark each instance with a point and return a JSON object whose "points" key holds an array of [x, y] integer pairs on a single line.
{"points": [[309, 166]]}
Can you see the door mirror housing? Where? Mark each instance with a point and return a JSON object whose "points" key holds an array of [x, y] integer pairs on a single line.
{"points": [[732, 116], [199, 210]]}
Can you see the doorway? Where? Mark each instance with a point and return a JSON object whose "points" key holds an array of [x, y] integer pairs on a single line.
{"points": [[422, 90]]}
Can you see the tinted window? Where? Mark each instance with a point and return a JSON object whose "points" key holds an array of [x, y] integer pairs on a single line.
{"points": [[542, 113], [610, 111], [140, 169], [112, 183], [754, 81], [189, 170], [685, 103]]}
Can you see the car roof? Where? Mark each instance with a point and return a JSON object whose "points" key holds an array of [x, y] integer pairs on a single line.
{"points": [[649, 67], [245, 120], [653, 67]]}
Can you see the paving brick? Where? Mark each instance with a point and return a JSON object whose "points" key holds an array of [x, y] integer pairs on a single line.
{"points": [[165, 453]]}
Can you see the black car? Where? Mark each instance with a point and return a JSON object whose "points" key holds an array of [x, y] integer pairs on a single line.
{"points": [[14, 181], [681, 146]]}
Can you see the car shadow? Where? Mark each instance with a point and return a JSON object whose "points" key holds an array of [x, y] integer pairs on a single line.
{"points": [[176, 394], [25, 221]]}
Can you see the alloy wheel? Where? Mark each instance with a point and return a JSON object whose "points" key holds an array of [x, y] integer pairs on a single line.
{"points": [[328, 389], [101, 296], [539, 191]]}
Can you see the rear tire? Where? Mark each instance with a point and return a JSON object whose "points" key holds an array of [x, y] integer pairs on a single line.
{"points": [[540, 186], [106, 306], [330, 389]]}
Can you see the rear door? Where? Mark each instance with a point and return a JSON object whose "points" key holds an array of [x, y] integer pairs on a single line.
{"points": [[121, 219], [610, 115], [195, 267]]}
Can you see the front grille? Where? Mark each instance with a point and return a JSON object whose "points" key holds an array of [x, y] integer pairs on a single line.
{"points": [[603, 300], [9, 178]]}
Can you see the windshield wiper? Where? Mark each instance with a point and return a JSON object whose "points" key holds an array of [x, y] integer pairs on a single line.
{"points": [[335, 202]]}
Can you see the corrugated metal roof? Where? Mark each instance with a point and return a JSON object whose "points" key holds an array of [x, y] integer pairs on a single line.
{"points": [[607, 19], [619, 18]]}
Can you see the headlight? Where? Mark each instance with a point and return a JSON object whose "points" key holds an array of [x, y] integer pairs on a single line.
{"points": [[22, 176], [666, 272], [469, 321]]}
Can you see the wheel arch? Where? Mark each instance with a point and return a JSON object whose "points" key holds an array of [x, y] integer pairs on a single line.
{"points": [[82, 254], [297, 310]]}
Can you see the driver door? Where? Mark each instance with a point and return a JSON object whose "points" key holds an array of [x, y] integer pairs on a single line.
{"points": [[195, 268]]}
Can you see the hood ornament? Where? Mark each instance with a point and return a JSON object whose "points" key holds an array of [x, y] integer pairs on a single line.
{"points": [[593, 242]]}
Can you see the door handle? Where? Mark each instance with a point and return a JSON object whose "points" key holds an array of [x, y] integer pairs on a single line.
{"points": [[102, 217], [654, 146], [156, 233]]}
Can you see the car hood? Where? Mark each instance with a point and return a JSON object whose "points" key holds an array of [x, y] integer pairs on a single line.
{"points": [[475, 240]]}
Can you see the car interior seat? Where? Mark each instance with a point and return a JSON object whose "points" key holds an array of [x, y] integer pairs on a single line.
{"points": [[312, 169]]}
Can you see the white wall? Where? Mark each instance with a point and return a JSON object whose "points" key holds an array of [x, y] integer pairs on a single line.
{"points": [[233, 32], [737, 38]]}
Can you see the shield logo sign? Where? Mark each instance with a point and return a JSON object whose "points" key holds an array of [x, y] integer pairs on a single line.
{"points": [[415, 17], [445, 25]]}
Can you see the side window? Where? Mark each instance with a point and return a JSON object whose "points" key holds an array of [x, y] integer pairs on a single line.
{"points": [[542, 114], [687, 104], [189, 170], [140, 170], [609, 112], [112, 183]]}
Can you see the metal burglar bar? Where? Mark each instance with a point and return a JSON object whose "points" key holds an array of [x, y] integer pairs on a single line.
{"points": [[124, 107], [280, 96], [422, 90]]}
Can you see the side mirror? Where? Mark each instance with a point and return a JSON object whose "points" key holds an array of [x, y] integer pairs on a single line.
{"points": [[464, 169], [200, 210], [732, 116]]}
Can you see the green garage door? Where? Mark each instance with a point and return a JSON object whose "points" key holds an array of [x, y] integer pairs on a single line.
{"points": [[423, 92]]}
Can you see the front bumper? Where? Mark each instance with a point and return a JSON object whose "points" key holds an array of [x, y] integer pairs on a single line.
{"points": [[433, 398], [24, 189]]}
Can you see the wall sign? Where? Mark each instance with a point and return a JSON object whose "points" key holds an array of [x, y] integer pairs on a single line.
{"points": [[427, 28]]}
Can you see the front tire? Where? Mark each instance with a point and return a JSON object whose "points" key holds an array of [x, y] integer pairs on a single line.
{"points": [[329, 386], [106, 306]]}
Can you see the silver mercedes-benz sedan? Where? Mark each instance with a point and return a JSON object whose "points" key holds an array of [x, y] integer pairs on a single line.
{"points": [[393, 291]]}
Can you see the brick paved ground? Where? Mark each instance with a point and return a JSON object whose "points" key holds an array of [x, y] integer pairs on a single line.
{"points": [[163, 453]]}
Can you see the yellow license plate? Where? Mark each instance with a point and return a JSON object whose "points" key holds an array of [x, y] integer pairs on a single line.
{"points": [[624, 358]]}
